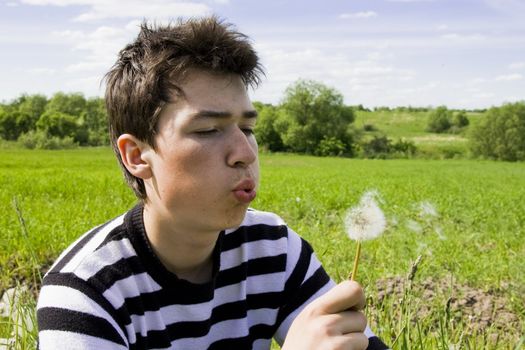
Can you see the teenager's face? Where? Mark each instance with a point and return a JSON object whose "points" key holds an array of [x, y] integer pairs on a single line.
{"points": [[205, 167]]}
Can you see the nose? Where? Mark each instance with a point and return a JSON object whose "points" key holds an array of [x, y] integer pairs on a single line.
{"points": [[242, 149]]}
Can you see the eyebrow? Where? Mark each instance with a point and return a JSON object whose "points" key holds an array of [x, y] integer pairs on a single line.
{"points": [[220, 114]]}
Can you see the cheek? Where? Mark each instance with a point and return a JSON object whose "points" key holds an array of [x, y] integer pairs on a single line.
{"points": [[255, 165], [188, 170], [191, 167]]}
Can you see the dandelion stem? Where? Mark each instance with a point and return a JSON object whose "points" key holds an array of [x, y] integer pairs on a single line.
{"points": [[356, 261]]}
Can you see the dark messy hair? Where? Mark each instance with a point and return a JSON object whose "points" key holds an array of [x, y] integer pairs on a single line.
{"points": [[149, 71]]}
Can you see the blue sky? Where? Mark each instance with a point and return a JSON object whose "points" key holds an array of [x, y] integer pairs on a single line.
{"points": [[459, 53]]}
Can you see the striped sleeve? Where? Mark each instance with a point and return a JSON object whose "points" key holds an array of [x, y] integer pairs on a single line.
{"points": [[70, 312], [305, 281]]}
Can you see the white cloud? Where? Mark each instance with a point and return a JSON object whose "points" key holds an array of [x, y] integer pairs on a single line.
{"points": [[483, 95], [410, 0], [360, 81], [517, 65], [99, 48], [101, 9], [477, 81], [55, 2], [91, 84], [509, 77], [86, 66], [462, 37], [362, 15], [507, 6], [41, 71], [102, 41], [157, 8]]}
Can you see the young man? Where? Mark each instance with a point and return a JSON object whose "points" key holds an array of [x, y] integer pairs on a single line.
{"points": [[191, 266]]}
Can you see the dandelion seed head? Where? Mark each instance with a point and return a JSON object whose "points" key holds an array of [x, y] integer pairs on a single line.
{"points": [[414, 226], [427, 209], [421, 247], [366, 220], [393, 221], [439, 232]]}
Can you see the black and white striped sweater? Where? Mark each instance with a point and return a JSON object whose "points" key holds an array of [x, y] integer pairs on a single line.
{"points": [[108, 290]]}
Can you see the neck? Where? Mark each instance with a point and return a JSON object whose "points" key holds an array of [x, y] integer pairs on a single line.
{"points": [[187, 254]]}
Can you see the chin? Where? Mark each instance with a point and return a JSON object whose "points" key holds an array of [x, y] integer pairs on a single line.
{"points": [[235, 218]]}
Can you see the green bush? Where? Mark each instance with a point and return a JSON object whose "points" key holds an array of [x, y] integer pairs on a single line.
{"points": [[404, 148], [313, 112], [267, 136], [8, 127], [501, 134], [439, 120], [378, 147], [41, 140], [369, 127], [330, 146], [57, 124], [382, 147], [64, 115], [460, 119], [97, 138]]}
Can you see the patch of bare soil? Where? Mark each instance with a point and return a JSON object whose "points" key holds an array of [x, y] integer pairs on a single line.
{"points": [[477, 308]]}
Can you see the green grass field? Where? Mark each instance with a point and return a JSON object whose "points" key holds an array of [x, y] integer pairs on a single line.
{"points": [[411, 125], [472, 251]]}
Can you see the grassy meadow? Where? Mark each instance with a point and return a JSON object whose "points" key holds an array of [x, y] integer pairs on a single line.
{"points": [[469, 288], [411, 125]]}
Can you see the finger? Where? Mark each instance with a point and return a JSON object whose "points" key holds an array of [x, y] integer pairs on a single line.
{"points": [[344, 296], [350, 341], [348, 322]]}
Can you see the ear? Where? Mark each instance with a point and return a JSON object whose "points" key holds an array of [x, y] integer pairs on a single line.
{"points": [[134, 155]]}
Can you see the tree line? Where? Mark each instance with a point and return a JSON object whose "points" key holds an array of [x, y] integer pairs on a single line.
{"points": [[311, 119], [61, 121]]}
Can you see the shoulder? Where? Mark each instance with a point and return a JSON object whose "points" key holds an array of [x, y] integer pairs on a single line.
{"points": [[262, 234], [258, 217], [262, 226], [84, 275], [103, 245]]}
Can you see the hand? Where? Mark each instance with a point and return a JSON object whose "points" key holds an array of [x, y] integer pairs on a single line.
{"points": [[332, 321]]}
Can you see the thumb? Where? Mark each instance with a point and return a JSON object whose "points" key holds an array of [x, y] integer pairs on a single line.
{"points": [[344, 296]]}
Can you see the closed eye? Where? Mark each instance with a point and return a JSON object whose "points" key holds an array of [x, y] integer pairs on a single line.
{"points": [[207, 132], [247, 131]]}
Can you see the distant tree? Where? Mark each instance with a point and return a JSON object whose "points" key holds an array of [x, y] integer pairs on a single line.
{"points": [[382, 147], [63, 116], [501, 133], [313, 112], [417, 109], [378, 147], [31, 107], [73, 104], [41, 140], [330, 146], [369, 127], [460, 119], [58, 124], [360, 108], [94, 119], [439, 120], [404, 147], [458, 123], [8, 124], [265, 132]]}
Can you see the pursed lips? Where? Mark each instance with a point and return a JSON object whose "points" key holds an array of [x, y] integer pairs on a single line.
{"points": [[244, 191]]}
